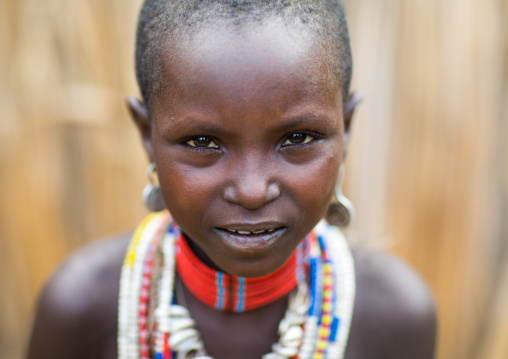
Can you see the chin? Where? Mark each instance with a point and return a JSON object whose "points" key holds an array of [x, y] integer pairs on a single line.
{"points": [[254, 267]]}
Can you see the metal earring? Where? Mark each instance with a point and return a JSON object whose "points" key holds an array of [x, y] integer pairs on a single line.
{"points": [[340, 213], [152, 196]]}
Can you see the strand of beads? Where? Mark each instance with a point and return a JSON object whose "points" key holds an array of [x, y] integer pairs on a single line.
{"points": [[332, 282], [163, 310], [130, 288], [144, 297], [315, 282], [175, 328], [327, 314], [345, 288], [290, 328]]}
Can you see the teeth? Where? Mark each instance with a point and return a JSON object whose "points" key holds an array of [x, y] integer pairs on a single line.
{"points": [[247, 232]]}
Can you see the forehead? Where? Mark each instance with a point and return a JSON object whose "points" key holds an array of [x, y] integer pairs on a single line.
{"points": [[240, 61]]}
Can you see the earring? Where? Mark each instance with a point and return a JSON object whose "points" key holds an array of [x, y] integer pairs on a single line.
{"points": [[152, 196], [340, 213]]}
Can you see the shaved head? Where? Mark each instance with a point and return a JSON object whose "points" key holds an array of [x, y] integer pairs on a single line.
{"points": [[162, 23]]}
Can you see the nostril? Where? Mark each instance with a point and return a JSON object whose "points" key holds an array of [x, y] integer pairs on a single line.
{"points": [[273, 192], [230, 194]]}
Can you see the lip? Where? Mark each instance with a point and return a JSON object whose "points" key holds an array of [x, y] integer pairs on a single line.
{"points": [[251, 227], [268, 234]]}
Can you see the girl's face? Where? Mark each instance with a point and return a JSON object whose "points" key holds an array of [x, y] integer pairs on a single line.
{"points": [[247, 140]]}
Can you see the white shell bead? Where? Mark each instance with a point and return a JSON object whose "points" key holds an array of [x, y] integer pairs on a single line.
{"points": [[284, 325], [284, 351], [178, 337], [273, 356], [301, 310], [193, 344], [293, 334], [178, 311], [181, 324], [162, 313]]}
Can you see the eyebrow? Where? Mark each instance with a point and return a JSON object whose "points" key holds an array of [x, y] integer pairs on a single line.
{"points": [[308, 118], [195, 124], [287, 124]]}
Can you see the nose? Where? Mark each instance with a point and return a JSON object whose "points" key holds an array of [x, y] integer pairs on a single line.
{"points": [[252, 187]]}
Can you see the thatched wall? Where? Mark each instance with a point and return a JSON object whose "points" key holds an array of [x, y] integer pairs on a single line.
{"points": [[428, 170]]}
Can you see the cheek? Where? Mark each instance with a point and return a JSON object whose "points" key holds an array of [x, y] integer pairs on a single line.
{"points": [[315, 182], [185, 191]]}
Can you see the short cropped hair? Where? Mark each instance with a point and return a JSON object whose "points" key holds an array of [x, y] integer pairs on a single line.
{"points": [[160, 19]]}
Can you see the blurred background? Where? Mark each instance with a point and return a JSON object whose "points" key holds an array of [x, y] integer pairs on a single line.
{"points": [[427, 171]]}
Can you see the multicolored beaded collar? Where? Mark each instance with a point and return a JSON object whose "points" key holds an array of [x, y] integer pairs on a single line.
{"points": [[230, 293], [316, 324]]}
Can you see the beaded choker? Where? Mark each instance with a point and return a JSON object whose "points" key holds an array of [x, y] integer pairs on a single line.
{"points": [[315, 326], [230, 293]]}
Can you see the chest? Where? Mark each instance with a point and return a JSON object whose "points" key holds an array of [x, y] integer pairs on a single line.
{"points": [[246, 335]]}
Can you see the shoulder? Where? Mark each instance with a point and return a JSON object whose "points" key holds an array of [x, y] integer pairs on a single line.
{"points": [[88, 268], [78, 305], [394, 315]]}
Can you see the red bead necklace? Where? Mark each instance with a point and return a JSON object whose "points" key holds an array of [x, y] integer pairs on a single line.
{"points": [[229, 293]]}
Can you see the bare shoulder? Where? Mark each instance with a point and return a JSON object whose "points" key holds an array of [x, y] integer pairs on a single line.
{"points": [[77, 310], [394, 315]]}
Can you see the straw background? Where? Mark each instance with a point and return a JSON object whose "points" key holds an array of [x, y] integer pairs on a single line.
{"points": [[427, 168]]}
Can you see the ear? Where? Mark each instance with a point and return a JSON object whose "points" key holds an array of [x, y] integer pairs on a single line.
{"points": [[349, 109], [139, 115]]}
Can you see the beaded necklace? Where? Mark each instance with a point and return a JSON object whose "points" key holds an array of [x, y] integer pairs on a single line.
{"points": [[315, 326], [230, 293]]}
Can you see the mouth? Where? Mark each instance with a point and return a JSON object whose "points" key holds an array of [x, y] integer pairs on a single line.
{"points": [[251, 238], [249, 229], [247, 233]]}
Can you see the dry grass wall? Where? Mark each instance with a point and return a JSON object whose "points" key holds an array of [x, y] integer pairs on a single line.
{"points": [[428, 167]]}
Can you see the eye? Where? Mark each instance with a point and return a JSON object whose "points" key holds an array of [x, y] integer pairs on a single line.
{"points": [[297, 138], [202, 142]]}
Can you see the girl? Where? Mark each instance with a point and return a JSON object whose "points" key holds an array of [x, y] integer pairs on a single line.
{"points": [[245, 118]]}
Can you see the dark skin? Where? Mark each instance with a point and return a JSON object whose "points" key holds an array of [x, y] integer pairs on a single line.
{"points": [[249, 136]]}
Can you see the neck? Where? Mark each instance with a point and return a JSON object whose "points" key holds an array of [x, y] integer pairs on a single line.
{"points": [[200, 254]]}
